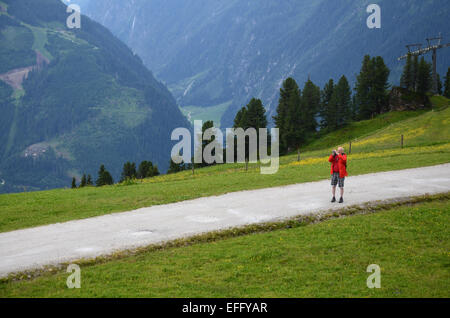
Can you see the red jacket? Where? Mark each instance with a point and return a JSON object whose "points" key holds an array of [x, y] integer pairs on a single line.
{"points": [[342, 164]]}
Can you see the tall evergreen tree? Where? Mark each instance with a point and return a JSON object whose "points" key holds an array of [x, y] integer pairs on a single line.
{"points": [[297, 126], [147, 170], [340, 104], [310, 106], [256, 114], [439, 84], [240, 119], [142, 170], [296, 113], [83, 181], [355, 109], [284, 117], [424, 78], [381, 85], [415, 72], [128, 171], [175, 167], [104, 177], [153, 171], [74, 183], [325, 110], [363, 89], [407, 79], [213, 142], [206, 125], [253, 115], [89, 180], [447, 84], [372, 87]]}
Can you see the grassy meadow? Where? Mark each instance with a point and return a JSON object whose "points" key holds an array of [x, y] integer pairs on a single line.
{"points": [[329, 259]]}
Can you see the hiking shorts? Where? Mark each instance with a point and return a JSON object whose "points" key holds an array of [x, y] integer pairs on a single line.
{"points": [[336, 179]]}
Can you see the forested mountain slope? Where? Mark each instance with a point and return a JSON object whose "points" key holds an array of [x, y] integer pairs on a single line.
{"points": [[215, 53], [72, 99]]}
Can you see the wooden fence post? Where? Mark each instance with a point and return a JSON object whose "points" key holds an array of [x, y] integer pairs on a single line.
{"points": [[246, 164], [350, 148], [298, 154], [402, 142]]}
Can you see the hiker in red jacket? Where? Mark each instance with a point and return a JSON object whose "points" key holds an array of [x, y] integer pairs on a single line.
{"points": [[338, 160]]}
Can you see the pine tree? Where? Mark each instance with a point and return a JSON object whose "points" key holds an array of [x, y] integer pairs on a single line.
{"points": [[146, 170], [240, 119], [424, 78], [407, 79], [363, 89], [447, 84], [415, 73], [340, 104], [310, 106], [283, 118], [253, 115], [108, 178], [296, 113], [297, 128], [372, 88], [345, 99], [206, 125], [74, 183], [355, 109], [439, 84], [256, 114], [153, 171], [381, 85], [89, 181], [128, 171], [326, 113], [104, 177], [83, 181], [142, 170], [176, 167]]}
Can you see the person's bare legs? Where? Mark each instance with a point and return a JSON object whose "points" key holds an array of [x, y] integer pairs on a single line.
{"points": [[333, 191], [341, 200]]}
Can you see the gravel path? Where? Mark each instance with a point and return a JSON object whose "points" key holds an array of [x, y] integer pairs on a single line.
{"points": [[62, 242]]}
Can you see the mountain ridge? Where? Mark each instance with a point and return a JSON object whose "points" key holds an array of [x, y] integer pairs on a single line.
{"points": [[212, 52]]}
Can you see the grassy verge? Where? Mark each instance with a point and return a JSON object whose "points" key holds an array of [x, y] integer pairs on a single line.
{"points": [[385, 131], [361, 128], [440, 102], [38, 208], [328, 259]]}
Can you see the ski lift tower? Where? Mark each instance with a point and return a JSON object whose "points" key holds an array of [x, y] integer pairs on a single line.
{"points": [[434, 44]]}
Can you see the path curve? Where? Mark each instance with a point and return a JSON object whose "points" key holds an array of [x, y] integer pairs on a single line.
{"points": [[63, 242]]}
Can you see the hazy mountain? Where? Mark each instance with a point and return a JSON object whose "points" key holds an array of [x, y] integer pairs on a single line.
{"points": [[72, 99], [220, 53]]}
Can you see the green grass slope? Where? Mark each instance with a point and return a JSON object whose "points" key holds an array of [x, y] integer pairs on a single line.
{"points": [[379, 151], [360, 129]]}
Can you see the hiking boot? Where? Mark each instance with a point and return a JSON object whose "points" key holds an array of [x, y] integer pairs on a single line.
{"points": [[333, 200], [341, 200]]}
